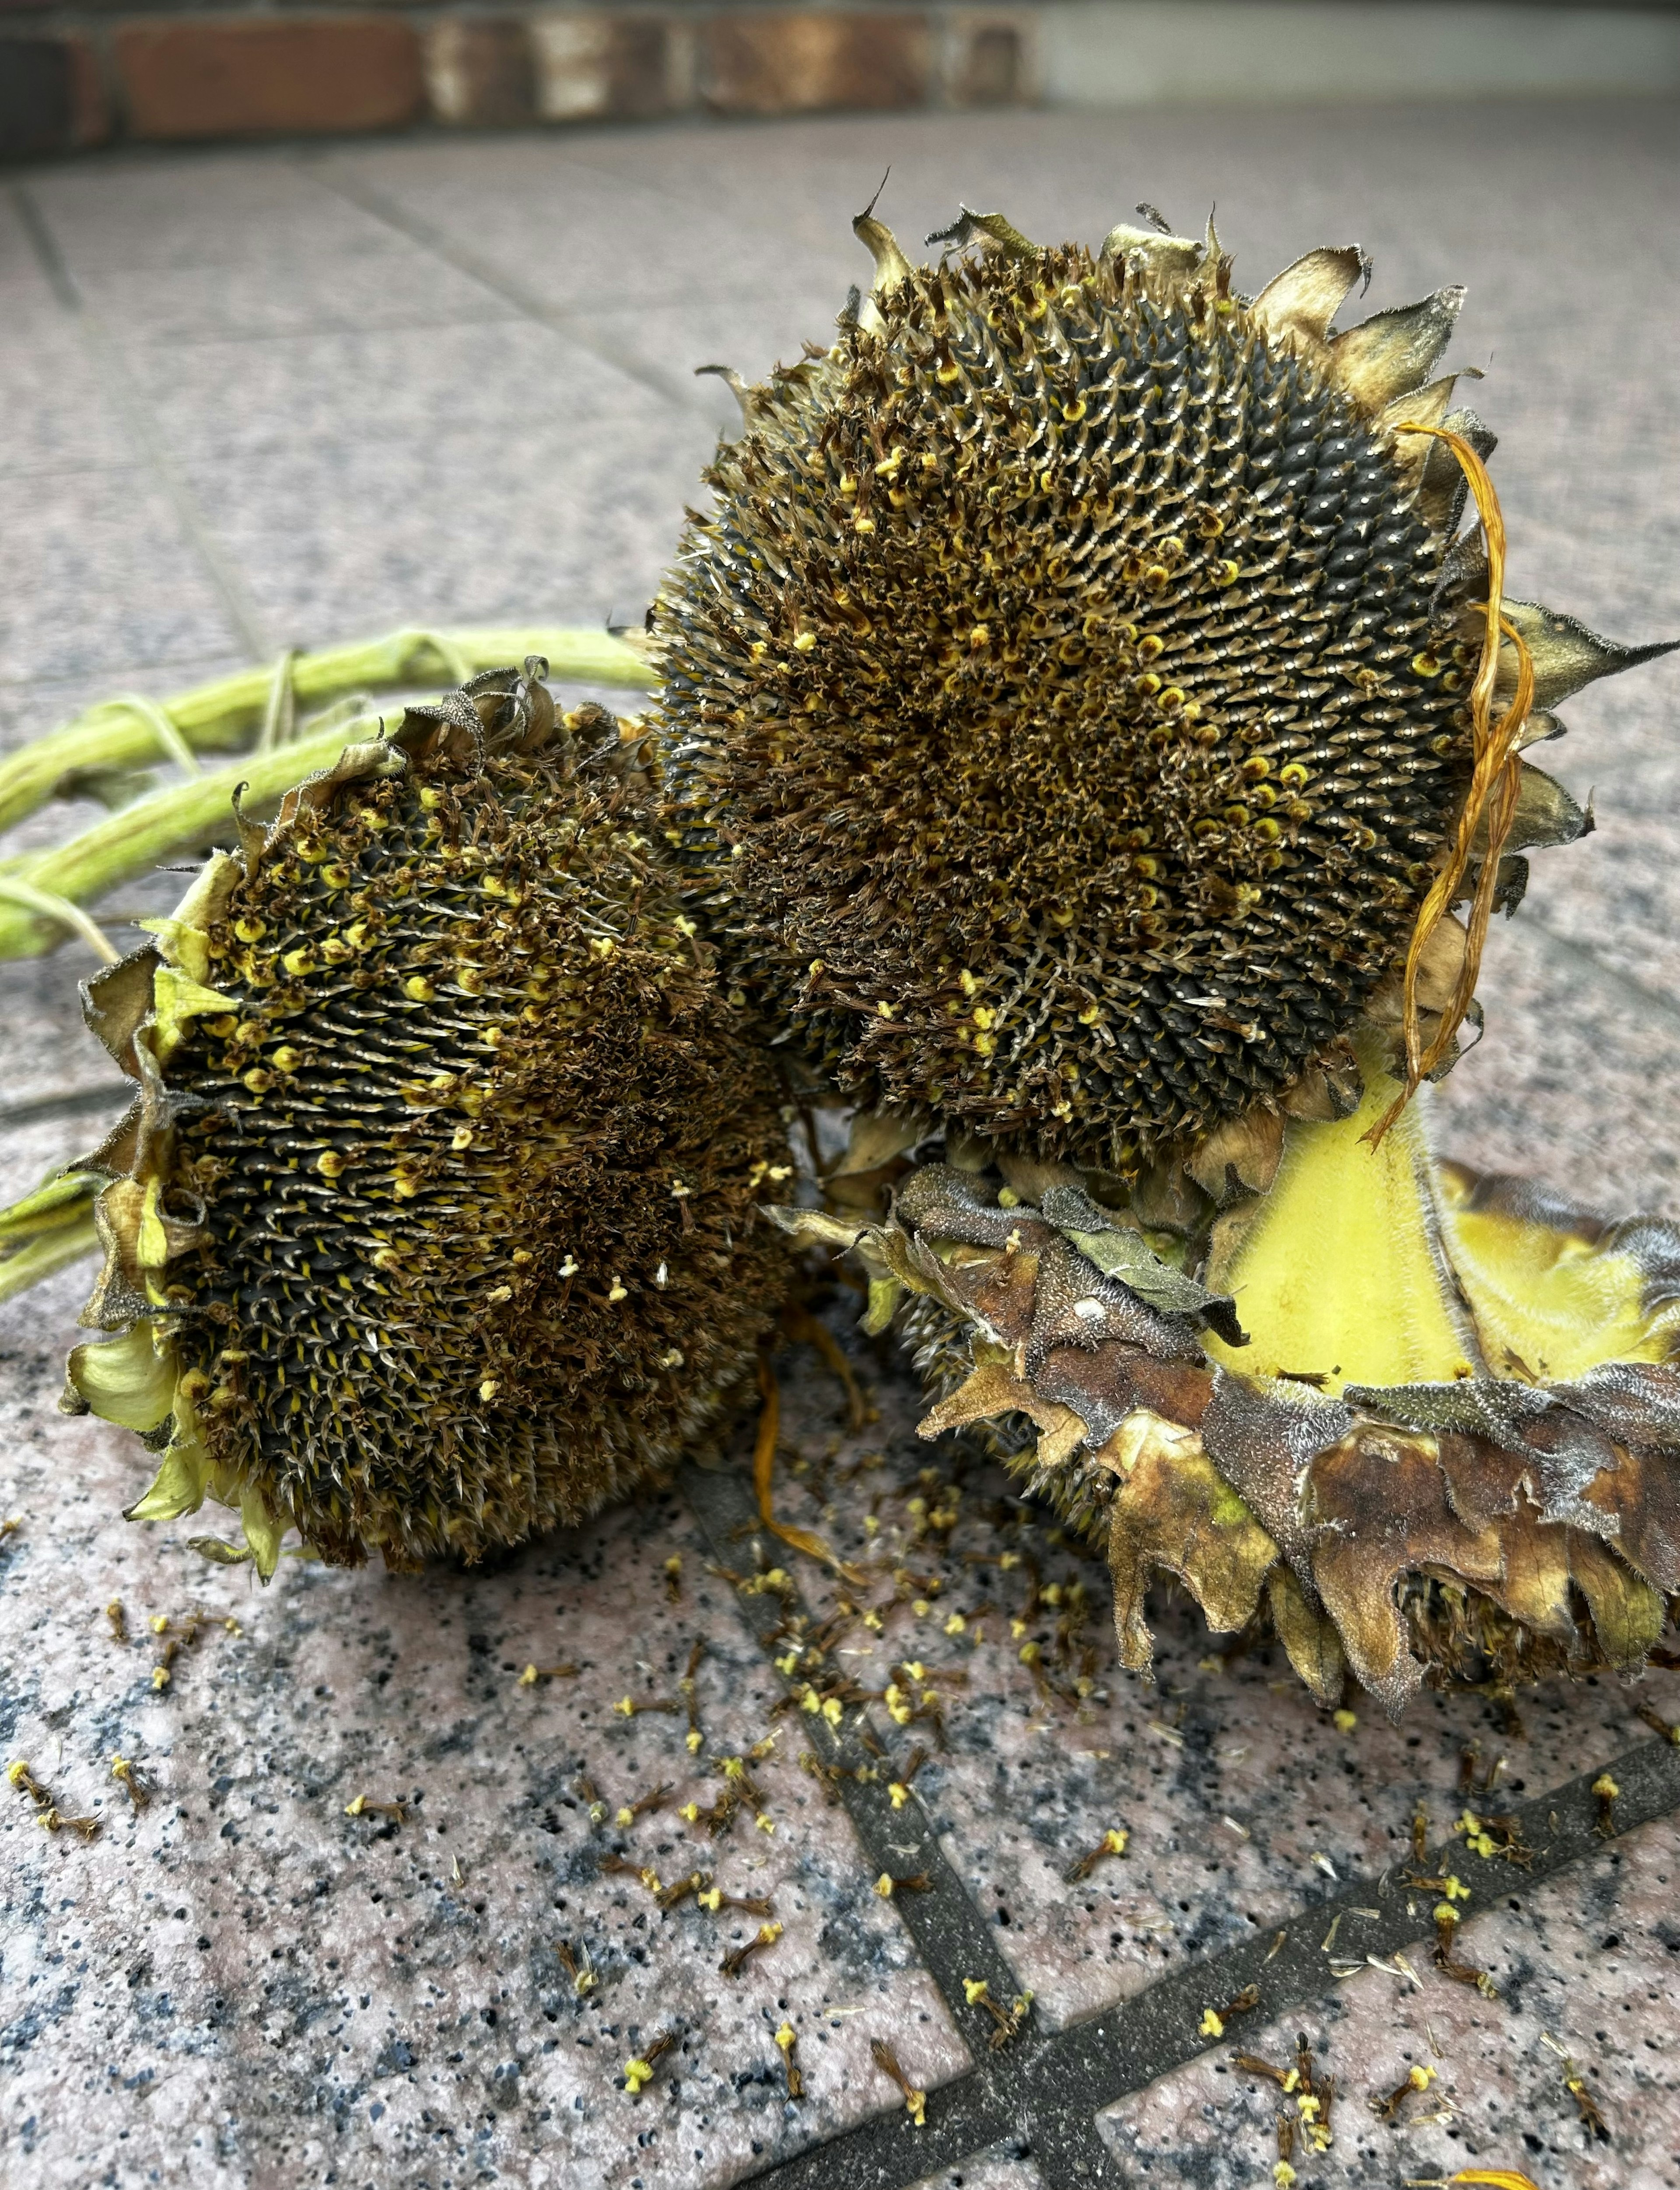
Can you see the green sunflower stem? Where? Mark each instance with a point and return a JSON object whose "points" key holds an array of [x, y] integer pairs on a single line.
{"points": [[118, 735], [47, 1231], [181, 816]]}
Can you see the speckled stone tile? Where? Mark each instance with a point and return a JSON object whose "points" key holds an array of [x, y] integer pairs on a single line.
{"points": [[374, 434], [58, 415], [320, 1992], [343, 537], [1573, 1086], [999, 2170], [1242, 1801], [103, 572], [210, 207], [581, 239], [1585, 1969], [225, 404]]}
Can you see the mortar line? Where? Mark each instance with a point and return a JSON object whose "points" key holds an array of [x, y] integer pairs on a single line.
{"points": [[1103, 2056], [955, 1943], [954, 1940], [528, 303], [243, 618]]}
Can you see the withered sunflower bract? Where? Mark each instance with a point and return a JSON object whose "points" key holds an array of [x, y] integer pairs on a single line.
{"points": [[433, 1225], [1069, 688], [1420, 1425]]}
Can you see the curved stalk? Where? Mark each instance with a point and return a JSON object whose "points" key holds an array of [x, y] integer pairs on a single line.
{"points": [[120, 735], [47, 1231], [177, 818], [41, 892]]}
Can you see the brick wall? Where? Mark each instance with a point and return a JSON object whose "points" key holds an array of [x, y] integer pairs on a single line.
{"points": [[70, 80]]}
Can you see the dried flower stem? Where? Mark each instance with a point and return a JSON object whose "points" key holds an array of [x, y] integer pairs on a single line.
{"points": [[1495, 782], [47, 1231], [119, 734], [181, 815]]}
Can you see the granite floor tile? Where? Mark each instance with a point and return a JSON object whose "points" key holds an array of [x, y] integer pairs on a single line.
{"points": [[103, 573], [581, 240], [1242, 1801], [750, 330], [1000, 2169], [186, 210], [388, 287], [1584, 1967], [1573, 1085], [59, 414], [501, 378], [361, 1991], [340, 537]]}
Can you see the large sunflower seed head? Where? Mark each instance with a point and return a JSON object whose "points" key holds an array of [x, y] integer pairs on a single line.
{"points": [[434, 1226], [1066, 694]]}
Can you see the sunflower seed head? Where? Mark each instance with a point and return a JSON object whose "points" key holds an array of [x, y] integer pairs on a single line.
{"points": [[436, 1225]]}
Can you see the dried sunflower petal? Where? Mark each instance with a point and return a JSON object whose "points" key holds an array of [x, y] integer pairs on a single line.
{"points": [[1374, 1470]]}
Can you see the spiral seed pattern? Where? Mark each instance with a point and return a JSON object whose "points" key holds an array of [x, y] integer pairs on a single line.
{"points": [[1054, 698]]}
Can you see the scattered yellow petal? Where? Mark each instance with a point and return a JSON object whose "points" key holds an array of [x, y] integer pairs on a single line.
{"points": [[636, 2073], [1344, 1721], [1210, 2026]]}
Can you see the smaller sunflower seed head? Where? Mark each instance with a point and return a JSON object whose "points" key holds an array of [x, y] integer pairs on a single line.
{"points": [[432, 1226]]}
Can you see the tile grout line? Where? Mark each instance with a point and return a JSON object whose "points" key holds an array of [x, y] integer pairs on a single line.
{"points": [[723, 1506], [952, 1938], [528, 302], [237, 605], [1102, 2057]]}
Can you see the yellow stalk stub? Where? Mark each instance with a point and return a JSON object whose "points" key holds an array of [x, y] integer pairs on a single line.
{"points": [[1338, 1273]]}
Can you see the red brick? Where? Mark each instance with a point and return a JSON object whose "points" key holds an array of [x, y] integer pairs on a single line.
{"points": [[90, 107], [783, 63], [989, 63], [190, 77], [479, 71], [51, 99], [599, 66]]}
